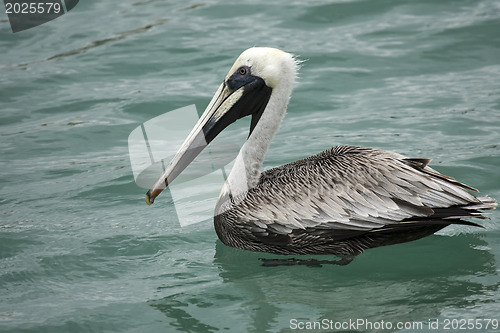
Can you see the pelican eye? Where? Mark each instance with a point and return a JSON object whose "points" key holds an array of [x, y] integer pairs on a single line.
{"points": [[240, 77], [243, 70]]}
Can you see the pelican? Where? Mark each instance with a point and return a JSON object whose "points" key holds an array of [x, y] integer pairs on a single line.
{"points": [[341, 201]]}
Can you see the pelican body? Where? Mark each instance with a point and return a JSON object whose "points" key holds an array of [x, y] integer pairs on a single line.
{"points": [[341, 201]]}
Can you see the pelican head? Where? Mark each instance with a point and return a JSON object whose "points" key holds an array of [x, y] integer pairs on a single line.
{"points": [[259, 82]]}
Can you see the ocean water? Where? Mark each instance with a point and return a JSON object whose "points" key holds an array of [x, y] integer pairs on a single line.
{"points": [[80, 251]]}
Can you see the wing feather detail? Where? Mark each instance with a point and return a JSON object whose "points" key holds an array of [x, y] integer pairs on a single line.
{"points": [[353, 188]]}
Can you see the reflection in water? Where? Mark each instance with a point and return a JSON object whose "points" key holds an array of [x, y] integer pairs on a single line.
{"points": [[401, 283]]}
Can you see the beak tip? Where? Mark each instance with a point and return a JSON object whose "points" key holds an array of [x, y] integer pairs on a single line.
{"points": [[149, 199]]}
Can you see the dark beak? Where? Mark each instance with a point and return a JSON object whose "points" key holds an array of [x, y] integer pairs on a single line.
{"points": [[235, 98]]}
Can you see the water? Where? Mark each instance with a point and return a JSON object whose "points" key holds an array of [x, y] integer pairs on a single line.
{"points": [[81, 252]]}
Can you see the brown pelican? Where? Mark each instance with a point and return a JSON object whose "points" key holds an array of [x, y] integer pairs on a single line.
{"points": [[341, 201]]}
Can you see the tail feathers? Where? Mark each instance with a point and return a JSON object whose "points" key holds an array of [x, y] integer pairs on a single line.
{"points": [[484, 202], [463, 222], [456, 214], [473, 210]]}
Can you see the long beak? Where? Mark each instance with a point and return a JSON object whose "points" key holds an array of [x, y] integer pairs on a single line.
{"points": [[226, 107]]}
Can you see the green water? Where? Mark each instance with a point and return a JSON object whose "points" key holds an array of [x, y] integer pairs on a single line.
{"points": [[81, 252]]}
